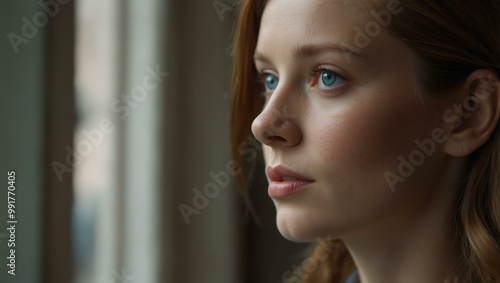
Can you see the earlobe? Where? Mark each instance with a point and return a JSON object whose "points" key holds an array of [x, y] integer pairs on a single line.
{"points": [[476, 116]]}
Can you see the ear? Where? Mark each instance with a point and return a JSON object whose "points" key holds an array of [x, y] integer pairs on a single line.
{"points": [[477, 114]]}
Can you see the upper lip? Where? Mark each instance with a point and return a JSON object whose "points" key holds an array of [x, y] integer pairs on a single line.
{"points": [[276, 174]]}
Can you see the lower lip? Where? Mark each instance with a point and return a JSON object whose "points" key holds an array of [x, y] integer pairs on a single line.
{"points": [[287, 188]]}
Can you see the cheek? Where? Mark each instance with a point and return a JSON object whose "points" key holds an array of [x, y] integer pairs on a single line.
{"points": [[351, 150], [367, 139]]}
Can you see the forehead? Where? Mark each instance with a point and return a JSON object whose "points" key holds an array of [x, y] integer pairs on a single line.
{"points": [[310, 21], [288, 25]]}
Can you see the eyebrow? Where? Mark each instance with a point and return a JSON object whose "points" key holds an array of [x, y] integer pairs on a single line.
{"points": [[309, 50]]}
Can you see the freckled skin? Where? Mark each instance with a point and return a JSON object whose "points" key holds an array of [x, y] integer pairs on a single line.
{"points": [[347, 141]]}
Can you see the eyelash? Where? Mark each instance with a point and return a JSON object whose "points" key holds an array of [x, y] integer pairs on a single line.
{"points": [[313, 74], [261, 82], [318, 70]]}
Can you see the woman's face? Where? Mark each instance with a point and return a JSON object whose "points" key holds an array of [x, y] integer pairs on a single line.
{"points": [[341, 111]]}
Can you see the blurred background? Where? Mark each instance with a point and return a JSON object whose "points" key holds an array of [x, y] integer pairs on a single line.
{"points": [[114, 116]]}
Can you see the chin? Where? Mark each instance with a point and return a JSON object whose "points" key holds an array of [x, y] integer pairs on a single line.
{"points": [[295, 228]]}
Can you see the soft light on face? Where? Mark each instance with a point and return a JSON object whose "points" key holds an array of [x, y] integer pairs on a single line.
{"points": [[340, 118]]}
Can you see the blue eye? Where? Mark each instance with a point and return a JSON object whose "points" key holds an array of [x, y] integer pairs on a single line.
{"points": [[271, 82], [329, 80]]}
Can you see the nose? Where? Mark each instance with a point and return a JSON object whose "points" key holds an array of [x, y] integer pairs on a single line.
{"points": [[277, 126]]}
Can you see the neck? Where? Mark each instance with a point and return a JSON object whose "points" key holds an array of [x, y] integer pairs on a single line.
{"points": [[411, 247]]}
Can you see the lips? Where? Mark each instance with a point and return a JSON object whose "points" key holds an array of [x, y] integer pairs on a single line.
{"points": [[284, 182]]}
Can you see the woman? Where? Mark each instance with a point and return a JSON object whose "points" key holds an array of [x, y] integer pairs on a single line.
{"points": [[379, 122]]}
